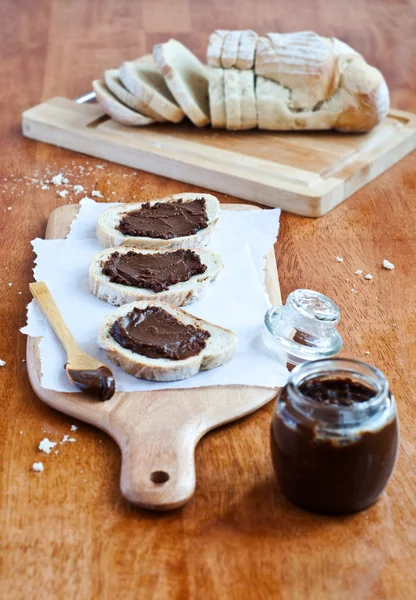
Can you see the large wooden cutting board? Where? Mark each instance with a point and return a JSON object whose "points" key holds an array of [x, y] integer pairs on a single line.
{"points": [[306, 173], [157, 431]]}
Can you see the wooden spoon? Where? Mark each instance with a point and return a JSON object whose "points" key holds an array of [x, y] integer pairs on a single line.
{"points": [[90, 375]]}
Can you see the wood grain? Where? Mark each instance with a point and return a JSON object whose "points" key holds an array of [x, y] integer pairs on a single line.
{"points": [[68, 534], [306, 173], [158, 431]]}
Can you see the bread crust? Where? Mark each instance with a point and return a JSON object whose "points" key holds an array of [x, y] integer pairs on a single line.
{"points": [[311, 83]]}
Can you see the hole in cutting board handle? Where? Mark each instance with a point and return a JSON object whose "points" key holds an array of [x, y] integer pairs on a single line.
{"points": [[159, 477]]}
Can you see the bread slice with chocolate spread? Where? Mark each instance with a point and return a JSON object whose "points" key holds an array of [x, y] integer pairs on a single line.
{"points": [[122, 275], [160, 342], [180, 221]]}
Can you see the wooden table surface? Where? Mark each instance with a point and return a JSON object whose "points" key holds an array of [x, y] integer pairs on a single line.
{"points": [[67, 533]]}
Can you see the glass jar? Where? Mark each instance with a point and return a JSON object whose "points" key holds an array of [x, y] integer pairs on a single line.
{"points": [[303, 329], [335, 436]]}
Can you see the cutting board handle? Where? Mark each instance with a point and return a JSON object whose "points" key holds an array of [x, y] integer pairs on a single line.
{"points": [[158, 467]]}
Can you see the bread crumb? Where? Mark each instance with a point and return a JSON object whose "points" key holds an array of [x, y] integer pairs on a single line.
{"points": [[96, 194], [2, 363], [63, 193], [46, 445], [57, 179], [74, 427], [388, 265], [78, 188], [339, 259], [37, 467], [368, 276]]}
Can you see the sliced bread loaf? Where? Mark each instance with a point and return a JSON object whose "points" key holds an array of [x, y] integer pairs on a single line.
{"points": [[187, 79], [179, 294], [109, 234], [218, 347], [118, 111], [144, 80]]}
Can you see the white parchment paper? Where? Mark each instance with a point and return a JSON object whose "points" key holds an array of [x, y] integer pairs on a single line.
{"points": [[236, 300]]}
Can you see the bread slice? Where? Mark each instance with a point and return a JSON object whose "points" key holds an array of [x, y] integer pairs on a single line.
{"points": [[216, 97], [232, 98], [179, 294], [118, 111], [219, 348], [114, 84], [230, 49], [187, 79], [215, 45], [144, 80], [247, 99], [246, 50], [110, 237]]}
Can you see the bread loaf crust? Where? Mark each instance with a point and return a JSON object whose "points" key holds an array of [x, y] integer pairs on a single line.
{"points": [[316, 83]]}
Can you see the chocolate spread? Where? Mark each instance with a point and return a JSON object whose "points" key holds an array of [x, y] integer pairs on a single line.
{"points": [[155, 333], [331, 475], [152, 271], [95, 382], [165, 220]]}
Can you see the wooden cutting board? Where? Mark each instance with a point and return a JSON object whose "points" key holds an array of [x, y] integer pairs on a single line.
{"points": [[306, 173], [157, 431]]}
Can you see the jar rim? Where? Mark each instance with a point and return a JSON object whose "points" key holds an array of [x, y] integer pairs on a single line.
{"points": [[334, 366]]}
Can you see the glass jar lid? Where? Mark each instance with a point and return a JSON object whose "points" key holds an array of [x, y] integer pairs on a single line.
{"points": [[304, 328]]}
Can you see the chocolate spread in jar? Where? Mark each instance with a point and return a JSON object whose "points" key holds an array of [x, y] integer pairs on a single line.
{"points": [[156, 272], [329, 474], [165, 220], [155, 333]]}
